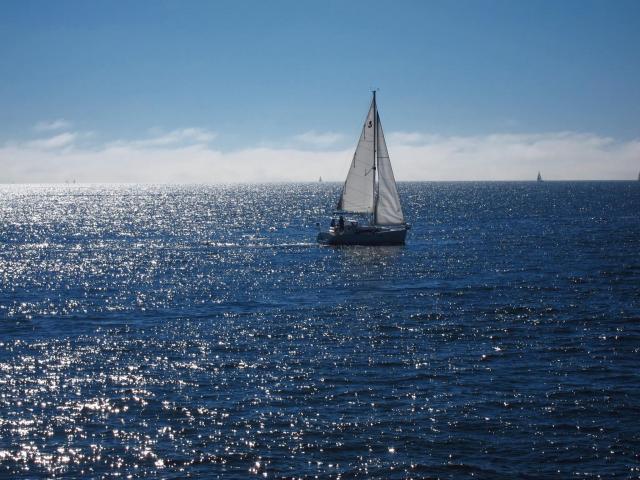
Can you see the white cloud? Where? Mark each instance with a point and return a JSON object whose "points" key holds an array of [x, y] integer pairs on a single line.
{"points": [[185, 156], [180, 136], [57, 141], [319, 139], [186, 164], [46, 126], [559, 155]]}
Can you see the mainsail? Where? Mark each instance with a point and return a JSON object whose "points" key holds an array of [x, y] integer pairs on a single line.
{"points": [[357, 193], [388, 210]]}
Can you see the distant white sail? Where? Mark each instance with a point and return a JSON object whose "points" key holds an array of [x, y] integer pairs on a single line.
{"points": [[388, 208], [357, 193]]}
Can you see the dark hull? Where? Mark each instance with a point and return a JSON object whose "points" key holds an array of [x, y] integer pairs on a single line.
{"points": [[370, 236]]}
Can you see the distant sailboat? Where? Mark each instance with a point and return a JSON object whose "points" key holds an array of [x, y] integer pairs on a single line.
{"points": [[539, 177], [320, 180], [370, 189]]}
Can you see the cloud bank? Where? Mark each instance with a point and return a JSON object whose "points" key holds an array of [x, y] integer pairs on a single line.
{"points": [[189, 155]]}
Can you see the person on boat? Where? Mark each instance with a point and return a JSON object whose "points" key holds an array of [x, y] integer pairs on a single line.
{"points": [[333, 222], [341, 223]]}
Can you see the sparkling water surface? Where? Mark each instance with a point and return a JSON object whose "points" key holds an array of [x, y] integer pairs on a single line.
{"points": [[176, 331]]}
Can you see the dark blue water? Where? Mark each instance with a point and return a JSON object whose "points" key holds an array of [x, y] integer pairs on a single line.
{"points": [[162, 331]]}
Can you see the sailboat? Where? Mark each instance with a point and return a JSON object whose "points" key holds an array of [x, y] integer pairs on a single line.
{"points": [[539, 177], [369, 191]]}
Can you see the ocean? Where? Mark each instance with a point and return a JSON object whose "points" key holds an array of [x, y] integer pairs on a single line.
{"points": [[154, 331]]}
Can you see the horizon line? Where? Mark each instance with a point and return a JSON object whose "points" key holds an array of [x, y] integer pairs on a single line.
{"points": [[312, 182]]}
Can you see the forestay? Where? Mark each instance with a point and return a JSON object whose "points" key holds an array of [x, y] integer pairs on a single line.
{"points": [[357, 193], [388, 208]]}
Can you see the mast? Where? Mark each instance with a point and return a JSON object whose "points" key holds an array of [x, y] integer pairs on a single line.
{"points": [[375, 155]]}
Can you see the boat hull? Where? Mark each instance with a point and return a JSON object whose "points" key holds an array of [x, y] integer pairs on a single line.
{"points": [[379, 236]]}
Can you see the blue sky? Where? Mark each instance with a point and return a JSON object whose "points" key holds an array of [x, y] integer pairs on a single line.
{"points": [[255, 74]]}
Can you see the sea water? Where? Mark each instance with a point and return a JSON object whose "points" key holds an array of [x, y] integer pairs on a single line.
{"points": [[176, 331]]}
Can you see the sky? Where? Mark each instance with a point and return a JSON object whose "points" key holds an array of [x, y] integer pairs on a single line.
{"points": [[253, 91]]}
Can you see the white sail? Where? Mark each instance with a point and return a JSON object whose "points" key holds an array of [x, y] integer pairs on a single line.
{"points": [[357, 193], [388, 208]]}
